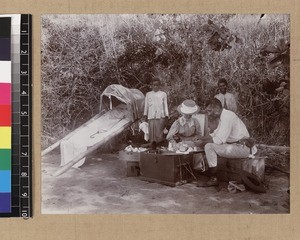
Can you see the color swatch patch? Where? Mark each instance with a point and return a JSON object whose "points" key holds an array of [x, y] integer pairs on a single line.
{"points": [[5, 156], [5, 140], [5, 93], [5, 119], [5, 115]]}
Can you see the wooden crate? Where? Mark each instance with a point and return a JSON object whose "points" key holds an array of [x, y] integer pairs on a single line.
{"points": [[168, 169], [230, 169]]}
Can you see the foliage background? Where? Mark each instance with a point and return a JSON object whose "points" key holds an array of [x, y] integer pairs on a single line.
{"points": [[83, 54]]}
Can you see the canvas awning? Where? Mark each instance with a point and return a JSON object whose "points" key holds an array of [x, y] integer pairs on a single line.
{"points": [[133, 98]]}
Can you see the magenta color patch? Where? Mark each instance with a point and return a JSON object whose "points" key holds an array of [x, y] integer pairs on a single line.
{"points": [[5, 93]]}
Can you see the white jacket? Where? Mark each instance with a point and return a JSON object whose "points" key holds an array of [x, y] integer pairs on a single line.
{"points": [[156, 105]]}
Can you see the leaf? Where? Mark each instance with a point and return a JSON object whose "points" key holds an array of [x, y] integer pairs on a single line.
{"points": [[239, 40], [281, 45], [207, 28], [257, 60], [223, 36], [158, 32], [263, 53], [228, 46], [230, 39], [158, 52], [276, 61], [215, 47], [270, 49], [286, 59]]}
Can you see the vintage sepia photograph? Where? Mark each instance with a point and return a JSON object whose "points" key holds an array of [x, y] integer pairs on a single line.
{"points": [[165, 113]]}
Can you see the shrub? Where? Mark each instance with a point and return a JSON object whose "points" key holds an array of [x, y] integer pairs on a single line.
{"points": [[83, 54]]}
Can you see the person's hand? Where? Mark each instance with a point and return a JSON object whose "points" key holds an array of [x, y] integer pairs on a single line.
{"points": [[176, 137], [165, 131], [198, 143], [196, 138]]}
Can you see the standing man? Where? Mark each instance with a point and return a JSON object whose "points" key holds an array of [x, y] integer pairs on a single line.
{"points": [[156, 111], [227, 99], [230, 140]]}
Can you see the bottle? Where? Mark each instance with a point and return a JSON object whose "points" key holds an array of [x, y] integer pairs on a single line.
{"points": [[170, 146], [154, 145]]}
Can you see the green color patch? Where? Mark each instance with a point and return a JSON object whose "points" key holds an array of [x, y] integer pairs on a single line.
{"points": [[5, 159]]}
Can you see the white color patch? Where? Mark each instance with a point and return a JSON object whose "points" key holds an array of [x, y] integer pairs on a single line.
{"points": [[5, 71]]}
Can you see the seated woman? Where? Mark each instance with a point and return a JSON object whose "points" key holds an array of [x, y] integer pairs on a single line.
{"points": [[186, 129]]}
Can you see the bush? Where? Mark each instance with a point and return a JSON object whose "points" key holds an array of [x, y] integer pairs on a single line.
{"points": [[83, 54]]}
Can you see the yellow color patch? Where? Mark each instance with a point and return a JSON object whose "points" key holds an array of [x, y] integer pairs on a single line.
{"points": [[5, 137]]}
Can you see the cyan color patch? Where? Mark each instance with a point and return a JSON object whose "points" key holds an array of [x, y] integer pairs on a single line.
{"points": [[5, 181]]}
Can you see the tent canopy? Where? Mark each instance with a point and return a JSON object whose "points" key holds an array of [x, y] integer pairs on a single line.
{"points": [[133, 98]]}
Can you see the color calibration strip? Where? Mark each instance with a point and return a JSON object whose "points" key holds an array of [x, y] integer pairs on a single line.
{"points": [[5, 115], [20, 117]]}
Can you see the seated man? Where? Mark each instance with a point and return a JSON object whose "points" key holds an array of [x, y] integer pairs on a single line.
{"points": [[225, 141], [186, 128], [208, 124]]}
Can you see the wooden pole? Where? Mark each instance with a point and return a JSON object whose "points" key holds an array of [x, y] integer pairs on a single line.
{"points": [[49, 149], [89, 150], [275, 148], [277, 168]]}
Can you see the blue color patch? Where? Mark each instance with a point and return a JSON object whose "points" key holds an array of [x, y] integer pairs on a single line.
{"points": [[5, 181], [5, 53], [5, 202]]}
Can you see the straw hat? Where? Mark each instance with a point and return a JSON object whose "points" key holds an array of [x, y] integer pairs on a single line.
{"points": [[188, 107]]}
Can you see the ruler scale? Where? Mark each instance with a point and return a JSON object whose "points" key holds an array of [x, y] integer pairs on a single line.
{"points": [[25, 113], [21, 117]]}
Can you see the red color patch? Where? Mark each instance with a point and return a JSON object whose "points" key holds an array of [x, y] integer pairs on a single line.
{"points": [[5, 115]]}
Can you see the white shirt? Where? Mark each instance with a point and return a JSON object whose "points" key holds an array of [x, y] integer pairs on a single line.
{"points": [[156, 105], [229, 99], [230, 129]]}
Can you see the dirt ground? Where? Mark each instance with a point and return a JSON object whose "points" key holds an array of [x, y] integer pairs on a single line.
{"points": [[101, 186]]}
